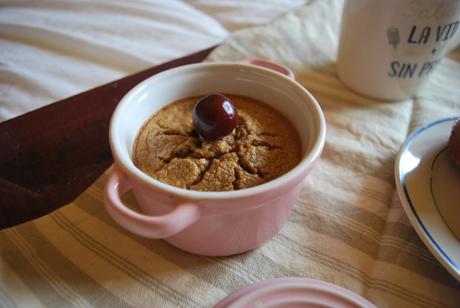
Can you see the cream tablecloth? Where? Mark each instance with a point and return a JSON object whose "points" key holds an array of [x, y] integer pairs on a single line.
{"points": [[348, 226], [52, 49]]}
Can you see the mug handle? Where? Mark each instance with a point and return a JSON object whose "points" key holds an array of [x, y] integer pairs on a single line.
{"points": [[183, 215], [270, 65]]}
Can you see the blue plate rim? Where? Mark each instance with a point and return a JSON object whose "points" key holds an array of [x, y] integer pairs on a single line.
{"points": [[402, 180]]}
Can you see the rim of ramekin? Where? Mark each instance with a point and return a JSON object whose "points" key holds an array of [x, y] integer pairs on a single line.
{"points": [[313, 154]]}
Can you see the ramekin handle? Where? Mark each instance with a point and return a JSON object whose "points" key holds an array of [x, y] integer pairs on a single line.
{"points": [[270, 65], [183, 215]]}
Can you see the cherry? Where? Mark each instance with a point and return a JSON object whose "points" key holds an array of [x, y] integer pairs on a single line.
{"points": [[214, 116]]}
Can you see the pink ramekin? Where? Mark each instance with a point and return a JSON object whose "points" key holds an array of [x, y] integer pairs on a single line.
{"points": [[210, 223]]}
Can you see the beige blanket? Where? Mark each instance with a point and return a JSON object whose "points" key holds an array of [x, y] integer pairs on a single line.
{"points": [[348, 226]]}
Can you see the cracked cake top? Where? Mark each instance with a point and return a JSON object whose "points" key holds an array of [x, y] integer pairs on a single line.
{"points": [[263, 146]]}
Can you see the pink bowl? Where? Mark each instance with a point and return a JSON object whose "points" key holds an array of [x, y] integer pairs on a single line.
{"points": [[294, 292], [210, 223]]}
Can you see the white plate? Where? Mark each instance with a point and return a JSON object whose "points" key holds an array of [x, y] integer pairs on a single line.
{"points": [[428, 185]]}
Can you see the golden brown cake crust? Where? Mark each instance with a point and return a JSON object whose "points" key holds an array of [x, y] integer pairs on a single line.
{"points": [[264, 146], [454, 143]]}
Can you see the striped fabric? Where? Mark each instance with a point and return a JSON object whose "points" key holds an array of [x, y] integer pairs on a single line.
{"points": [[347, 228], [53, 49]]}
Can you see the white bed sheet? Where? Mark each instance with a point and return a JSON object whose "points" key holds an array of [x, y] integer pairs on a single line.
{"points": [[52, 49]]}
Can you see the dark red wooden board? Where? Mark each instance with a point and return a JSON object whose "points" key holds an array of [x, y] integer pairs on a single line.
{"points": [[51, 155]]}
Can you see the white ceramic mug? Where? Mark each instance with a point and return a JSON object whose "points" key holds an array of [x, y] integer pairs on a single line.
{"points": [[388, 49]]}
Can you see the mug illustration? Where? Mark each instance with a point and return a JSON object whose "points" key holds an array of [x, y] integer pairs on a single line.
{"points": [[393, 37]]}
